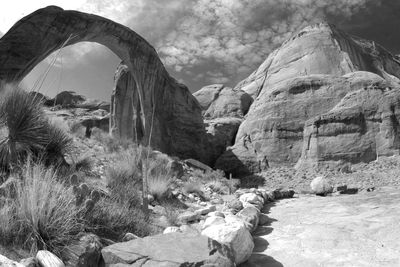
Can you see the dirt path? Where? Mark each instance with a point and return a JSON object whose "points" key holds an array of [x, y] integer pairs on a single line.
{"points": [[346, 230]]}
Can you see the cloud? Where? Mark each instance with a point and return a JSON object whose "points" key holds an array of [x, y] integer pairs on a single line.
{"points": [[238, 35], [207, 41]]}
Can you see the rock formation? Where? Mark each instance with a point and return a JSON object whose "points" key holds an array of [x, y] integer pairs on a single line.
{"points": [[223, 112], [218, 101], [170, 114], [303, 79]]}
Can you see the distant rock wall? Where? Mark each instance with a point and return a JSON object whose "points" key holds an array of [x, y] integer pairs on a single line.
{"points": [[169, 112], [306, 77]]}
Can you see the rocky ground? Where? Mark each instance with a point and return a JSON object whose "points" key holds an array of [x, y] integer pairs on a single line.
{"points": [[344, 230]]}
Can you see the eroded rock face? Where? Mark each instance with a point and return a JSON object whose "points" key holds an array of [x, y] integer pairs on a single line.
{"points": [[364, 125], [218, 101], [170, 114], [223, 112], [303, 79]]}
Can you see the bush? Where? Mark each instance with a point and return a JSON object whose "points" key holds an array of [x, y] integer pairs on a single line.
{"points": [[25, 131], [112, 144], [82, 164], [112, 219], [159, 178], [43, 214], [124, 177]]}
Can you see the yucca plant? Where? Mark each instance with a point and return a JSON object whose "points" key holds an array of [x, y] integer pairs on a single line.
{"points": [[25, 130]]}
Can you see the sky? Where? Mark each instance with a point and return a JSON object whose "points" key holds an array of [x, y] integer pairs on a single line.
{"points": [[200, 42]]}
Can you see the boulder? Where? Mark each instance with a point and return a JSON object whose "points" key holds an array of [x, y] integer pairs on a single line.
{"points": [[47, 259], [165, 108], [68, 99], [304, 79], [6, 262], [235, 205], [175, 167], [188, 216], [283, 193], [86, 251], [250, 215], [321, 186], [212, 220], [221, 134], [195, 164], [218, 101], [129, 236], [252, 198], [206, 210], [235, 235], [173, 249]]}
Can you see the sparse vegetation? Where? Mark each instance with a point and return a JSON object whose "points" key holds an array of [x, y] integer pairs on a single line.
{"points": [[112, 144], [43, 214], [25, 131]]}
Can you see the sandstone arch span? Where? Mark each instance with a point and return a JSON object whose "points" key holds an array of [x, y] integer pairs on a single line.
{"points": [[177, 123]]}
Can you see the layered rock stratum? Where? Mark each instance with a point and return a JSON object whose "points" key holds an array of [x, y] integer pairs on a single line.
{"points": [[323, 97], [169, 113]]}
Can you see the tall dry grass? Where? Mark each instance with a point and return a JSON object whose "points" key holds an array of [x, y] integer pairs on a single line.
{"points": [[43, 214]]}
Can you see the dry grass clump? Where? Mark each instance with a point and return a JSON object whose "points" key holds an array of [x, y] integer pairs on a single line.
{"points": [[126, 174], [112, 218], [42, 215], [112, 144], [25, 131]]}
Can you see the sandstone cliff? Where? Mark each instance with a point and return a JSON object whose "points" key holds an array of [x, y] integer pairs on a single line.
{"points": [[169, 112], [305, 78]]}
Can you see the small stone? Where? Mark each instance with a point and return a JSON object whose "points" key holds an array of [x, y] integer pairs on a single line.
{"points": [[206, 210], [217, 201], [29, 262], [188, 217], [171, 229], [216, 214], [320, 186], [341, 188], [128, 237], [150, 198], [47, 259], [203, 203]]}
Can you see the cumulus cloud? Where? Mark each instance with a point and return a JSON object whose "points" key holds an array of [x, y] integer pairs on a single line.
{"points": [[217, 41], [236, 36]]}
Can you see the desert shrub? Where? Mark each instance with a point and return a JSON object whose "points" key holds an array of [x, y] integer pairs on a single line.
{"points": [[82, 164], [112, 144], [159, 178], [25, 130], [112, 218], [43, 214], [124, 175], [220, 186], [77, 129]]}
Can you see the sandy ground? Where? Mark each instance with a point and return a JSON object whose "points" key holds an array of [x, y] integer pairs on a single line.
{"points": [[345, 230]]}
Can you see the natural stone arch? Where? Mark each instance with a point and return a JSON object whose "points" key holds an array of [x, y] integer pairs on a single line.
{"points": [[177, 125]]}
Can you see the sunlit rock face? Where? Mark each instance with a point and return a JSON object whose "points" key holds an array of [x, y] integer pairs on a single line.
{"points": [[303, 79], [168, 111]]}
